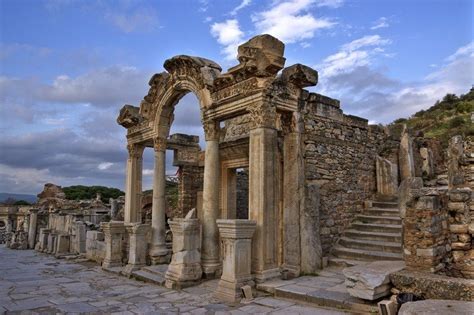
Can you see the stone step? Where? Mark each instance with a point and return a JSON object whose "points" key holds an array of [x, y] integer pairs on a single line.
{"points": [[149, 277], [382, 212], [388, 228], [388, 247], [385, 204], [378, 219], [156, 269], [360, 254], [344, 262], [375, 236]]}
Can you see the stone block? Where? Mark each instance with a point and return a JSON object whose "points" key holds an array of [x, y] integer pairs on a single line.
{"points": [[457, 206], [387, 307], [458, 228], [460, 246], [371, 281], [460, 194], [437, 307]]}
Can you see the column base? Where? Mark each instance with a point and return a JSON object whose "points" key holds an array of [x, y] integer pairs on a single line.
{"points": [[231, 291], [129, 269], [264, 275], [211, 270], [160, 255]]}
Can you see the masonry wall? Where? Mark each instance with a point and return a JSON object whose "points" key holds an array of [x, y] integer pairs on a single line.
{"points": [[339, 157]]}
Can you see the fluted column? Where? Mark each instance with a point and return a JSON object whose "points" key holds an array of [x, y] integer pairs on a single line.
{"points": [[133, 189], [211, 264], [158, 252]]}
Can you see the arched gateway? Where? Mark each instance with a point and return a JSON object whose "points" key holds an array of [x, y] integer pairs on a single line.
{"points": [[269, 145]]}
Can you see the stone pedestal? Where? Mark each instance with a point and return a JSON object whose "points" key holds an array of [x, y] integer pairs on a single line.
{"points": [[51, 243], [32, 228], [236, 236], [185, 267], [137, 247], [113, 233]]}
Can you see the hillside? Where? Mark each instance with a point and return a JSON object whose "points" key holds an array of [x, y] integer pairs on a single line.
{"points": [[446, 118]]}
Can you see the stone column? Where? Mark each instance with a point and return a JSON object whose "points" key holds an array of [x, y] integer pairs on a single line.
{"points": [[32, 228], [158, 252], [113, 233], [185, 267], [210, 239], [133, 189], [236, 237], [137, 247], [263, 206]]}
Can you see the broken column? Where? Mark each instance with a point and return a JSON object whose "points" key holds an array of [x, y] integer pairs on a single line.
{"points": [[455, 157], [113, 233], [387, 177], [236, 236], [32, 228], [185, 267], [405, 156], [137, 246]]}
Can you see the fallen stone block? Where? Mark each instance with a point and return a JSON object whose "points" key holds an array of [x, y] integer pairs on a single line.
{"points": [[371, 281], [434, 307]]}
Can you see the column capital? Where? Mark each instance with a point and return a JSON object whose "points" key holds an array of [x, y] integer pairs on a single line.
{"points": [[262, 115], [211, 130], [135, 150], [159, 144]]}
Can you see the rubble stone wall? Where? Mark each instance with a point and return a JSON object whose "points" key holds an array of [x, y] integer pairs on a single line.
{"points": [[339, 152]]}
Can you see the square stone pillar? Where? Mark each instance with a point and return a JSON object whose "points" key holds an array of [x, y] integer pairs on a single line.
{"points": [[43, 240], [79, 241], [263, 206], [62, 244], [133, 188], [236, 236], [51, 242], [113, 233], [32, 228], [137, 246], [185, 267]]}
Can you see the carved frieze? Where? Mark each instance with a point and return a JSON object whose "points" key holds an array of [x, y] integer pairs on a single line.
{"points": [[240, 89]]}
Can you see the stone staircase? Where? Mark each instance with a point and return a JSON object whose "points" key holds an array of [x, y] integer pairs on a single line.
{"points": [[374, 235]]}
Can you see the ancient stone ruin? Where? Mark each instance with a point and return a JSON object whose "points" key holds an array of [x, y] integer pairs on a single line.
{"points": [[287, 184]]}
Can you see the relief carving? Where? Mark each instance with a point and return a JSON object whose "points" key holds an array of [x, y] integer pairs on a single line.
{"points": [[262, 115]]}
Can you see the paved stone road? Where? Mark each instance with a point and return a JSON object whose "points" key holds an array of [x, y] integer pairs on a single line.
{"points": [[41, 284]]}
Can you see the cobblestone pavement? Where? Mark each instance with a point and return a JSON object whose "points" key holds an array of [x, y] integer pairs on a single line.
{"points": [[33, 283]]}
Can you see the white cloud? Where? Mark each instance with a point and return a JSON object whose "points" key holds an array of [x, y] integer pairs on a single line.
{"points": [[358, 53], [380, 23], [330, 3], [290, 21], [148, 172], [242, 5], [229, 35], [368, 92], [105, 165], [8, 50]]}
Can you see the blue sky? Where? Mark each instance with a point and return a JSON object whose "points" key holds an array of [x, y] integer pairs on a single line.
{"points": [[67, 67]]}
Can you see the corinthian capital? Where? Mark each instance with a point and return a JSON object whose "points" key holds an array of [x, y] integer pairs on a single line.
{"points": [[211, 130], [159, 144], [263, 115], [135, 150]]}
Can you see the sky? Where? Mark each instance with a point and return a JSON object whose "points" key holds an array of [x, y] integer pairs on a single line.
{"points": [[68, 66]]}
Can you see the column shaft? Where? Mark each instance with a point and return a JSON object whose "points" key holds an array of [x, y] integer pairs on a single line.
{"points": [[210, 238], [159, 253], [134, 184]]}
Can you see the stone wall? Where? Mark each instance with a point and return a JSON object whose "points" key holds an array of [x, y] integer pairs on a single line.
{"points": [[339, 152], [242, 193], [191, 180]]}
